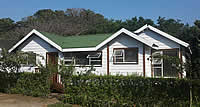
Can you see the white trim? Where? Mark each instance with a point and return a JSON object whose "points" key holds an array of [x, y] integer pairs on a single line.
{"points": [[99, 54], [141, 29], [39, 35], [163, 34], [79, 49]]}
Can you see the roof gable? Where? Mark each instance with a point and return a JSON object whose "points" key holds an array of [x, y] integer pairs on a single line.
{"points": [[123, 30], [170, 37], [39, 35]]}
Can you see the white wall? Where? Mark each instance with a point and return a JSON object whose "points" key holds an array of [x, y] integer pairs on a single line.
{"points": [[38, 46], [161, 41], [124, 41]]}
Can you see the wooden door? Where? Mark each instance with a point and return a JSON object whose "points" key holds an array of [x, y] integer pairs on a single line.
{"points": [[52, 60]]}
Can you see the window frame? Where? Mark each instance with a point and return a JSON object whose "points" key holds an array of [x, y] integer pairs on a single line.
{"points": [[133, 48], [162, 65], [87, 65]]}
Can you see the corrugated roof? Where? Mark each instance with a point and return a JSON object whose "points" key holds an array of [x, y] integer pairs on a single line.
{"points": [[82, 41]]}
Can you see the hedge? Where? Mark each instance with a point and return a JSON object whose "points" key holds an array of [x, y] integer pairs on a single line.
{"points": [[7, 81], [32, 84], [128, 91]]}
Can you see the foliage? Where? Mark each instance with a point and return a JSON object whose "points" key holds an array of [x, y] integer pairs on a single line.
{"points": [[8, 81], [127, 90], [33, 84], [11, 62]]}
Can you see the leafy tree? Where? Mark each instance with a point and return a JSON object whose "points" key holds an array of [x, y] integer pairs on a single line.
{"points": [[6, 24]]}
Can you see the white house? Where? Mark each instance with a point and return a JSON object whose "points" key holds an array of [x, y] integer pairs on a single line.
{"points": [[123, 52]]}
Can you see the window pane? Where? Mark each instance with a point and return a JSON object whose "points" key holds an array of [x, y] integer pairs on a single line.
{"points": [[169, 70], [157, 71], [67, 62], [119, 59], [131, 55], [118, 52], [95, 62]]}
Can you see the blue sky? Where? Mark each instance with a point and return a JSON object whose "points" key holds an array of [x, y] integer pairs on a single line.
{"points": [[186, 10]]}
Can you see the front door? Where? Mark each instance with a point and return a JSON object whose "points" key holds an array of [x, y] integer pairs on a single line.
{"points": [[52, 58], [52, 61]]}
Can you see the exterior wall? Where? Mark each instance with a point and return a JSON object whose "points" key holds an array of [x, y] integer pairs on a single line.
{"points": [[124, 41], [183, 60], [159, 40], [38, 46], [99, 70], [147, 61], [163, 43]]}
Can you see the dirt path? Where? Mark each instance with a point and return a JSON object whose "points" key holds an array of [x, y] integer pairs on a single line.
{"points": [[17, 100]]}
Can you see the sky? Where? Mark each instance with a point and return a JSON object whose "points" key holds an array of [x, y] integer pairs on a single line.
{"points": [[186, 10]]}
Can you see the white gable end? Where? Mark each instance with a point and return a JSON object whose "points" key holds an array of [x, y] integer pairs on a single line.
{"points": [[161, 33], [38, 46], [162, 42]]}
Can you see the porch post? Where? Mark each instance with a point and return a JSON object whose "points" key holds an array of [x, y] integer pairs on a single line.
{"points": [[181, 61], [108, 59], [144, 60]]}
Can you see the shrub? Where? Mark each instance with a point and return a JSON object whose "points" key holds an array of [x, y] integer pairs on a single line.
{"points": [[33, 84], [127, 91], [8, 80]]}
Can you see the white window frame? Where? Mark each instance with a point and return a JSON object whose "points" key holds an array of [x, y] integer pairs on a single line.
{"points": [[92, 59], [69, 59]]}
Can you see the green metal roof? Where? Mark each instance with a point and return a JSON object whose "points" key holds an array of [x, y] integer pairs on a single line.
{"points": [[82, 41]]}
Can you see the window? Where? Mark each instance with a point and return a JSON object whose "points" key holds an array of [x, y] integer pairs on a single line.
{"points": [[156, 57], [126, 55], [68, 60], [163, 67], [94, 58], [169, 67], [29, 59], [83, 58]]}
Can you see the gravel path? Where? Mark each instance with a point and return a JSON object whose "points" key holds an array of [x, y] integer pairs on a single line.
{"points": [[17, 100]]}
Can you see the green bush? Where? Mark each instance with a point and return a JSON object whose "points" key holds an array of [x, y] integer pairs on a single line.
{"points": [[8, 80], [127, 91], [33, 84]]}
